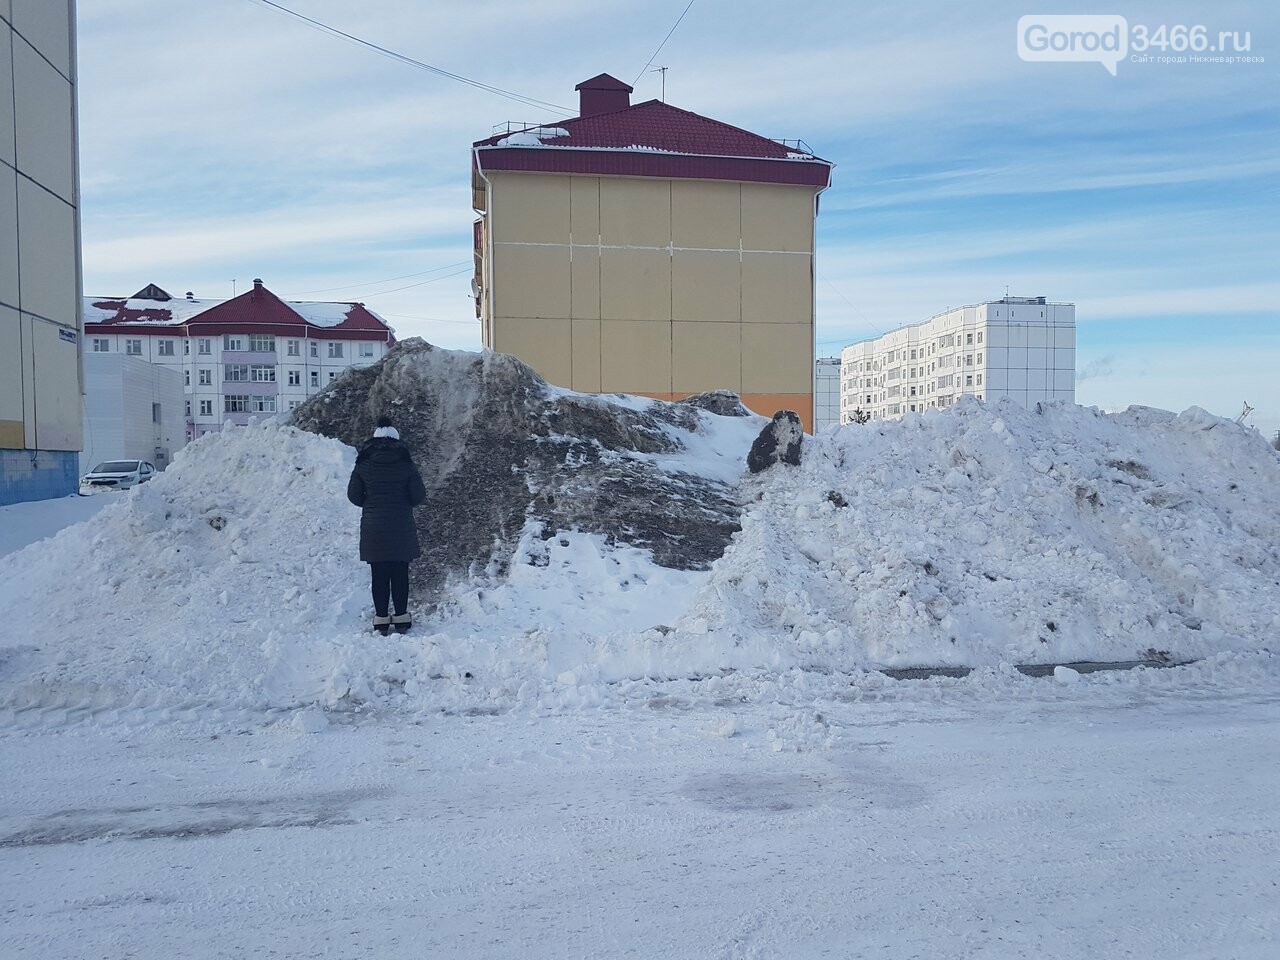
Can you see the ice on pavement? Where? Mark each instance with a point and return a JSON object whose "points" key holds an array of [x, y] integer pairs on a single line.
{"points": [[983, 535]]}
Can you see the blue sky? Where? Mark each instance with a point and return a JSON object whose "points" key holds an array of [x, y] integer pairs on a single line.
{"points": [[221, 139]]}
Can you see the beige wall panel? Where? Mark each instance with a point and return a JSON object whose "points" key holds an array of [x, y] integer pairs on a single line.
{"points": [[585, 277], [530, 281], [777, 217], [635, 285], [8, 237], [706, 356], [47, 25], [635, 356], [635, 212], [541, 343], [6, 95], [706, 214], [10, 370], [777, 358], [767, 404], [530, 207], [57, 390], [43, 122], [47, 255], [706, 286], [584, 215], [586, 355], [777, 288], [28, 361]]}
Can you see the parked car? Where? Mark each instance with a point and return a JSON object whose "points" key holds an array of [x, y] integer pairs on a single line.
{"points": [[113, 475]]}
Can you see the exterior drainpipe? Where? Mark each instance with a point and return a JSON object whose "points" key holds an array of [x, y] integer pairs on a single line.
{"points": [[488, 247]]}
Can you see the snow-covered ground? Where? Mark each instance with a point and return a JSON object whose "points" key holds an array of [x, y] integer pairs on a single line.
{"points": [[1001, 818], [22, 524], [207, 754]]}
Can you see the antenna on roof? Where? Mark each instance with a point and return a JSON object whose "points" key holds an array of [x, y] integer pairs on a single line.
{"points": [[663, 71], [233, 288]]}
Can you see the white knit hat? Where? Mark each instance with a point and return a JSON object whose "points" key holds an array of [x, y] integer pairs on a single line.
{"points": [[391, 432]]}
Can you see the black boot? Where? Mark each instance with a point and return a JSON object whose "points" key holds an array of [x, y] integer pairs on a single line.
{"points": [[402, 622]]}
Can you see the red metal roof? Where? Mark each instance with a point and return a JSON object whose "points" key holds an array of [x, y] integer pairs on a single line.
{"points": [[673, 142], [258, 310]]}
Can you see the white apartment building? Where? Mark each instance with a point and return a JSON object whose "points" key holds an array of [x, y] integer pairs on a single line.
{"points": [[1022, 348], [252, 356], [40, 376], [826, 392]]}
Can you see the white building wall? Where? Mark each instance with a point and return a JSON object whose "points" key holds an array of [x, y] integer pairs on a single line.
{"points": [[826, 392], [314, 367], [123, 396], [1017, 348]]}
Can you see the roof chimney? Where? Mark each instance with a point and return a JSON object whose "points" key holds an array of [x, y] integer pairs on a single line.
{"points": [[602, 94], [257, 287], [190, 295]]}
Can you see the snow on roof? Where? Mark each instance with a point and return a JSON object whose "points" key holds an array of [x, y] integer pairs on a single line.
{"points": [[116, 311]]}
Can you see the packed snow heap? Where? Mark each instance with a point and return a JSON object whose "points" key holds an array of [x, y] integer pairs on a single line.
{"points": [[576, 540]]}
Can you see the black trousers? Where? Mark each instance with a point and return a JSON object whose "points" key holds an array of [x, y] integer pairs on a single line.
{"points": [[390, 582]]}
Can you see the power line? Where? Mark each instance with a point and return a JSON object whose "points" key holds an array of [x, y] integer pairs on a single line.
{"points": [[851, 307], [649, 62], [421, 65], [407, 316], [420, 283], [370, 283]]}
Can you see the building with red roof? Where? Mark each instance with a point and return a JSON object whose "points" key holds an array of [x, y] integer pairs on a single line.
{"points": [[642, 248], [252, 355]]}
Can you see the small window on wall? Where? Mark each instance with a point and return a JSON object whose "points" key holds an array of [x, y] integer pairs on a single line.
{"points": [[968, 381], [206, 408], [968, 339], [366, 349], [979, 379], [133, 348], [294, 348], [315, 349], [230, 342], [335, 350], [187, 374], [979, 336], [295, 378], [101, 346], [188, 409], [166, 348], [186, 349], [155, 413], [315, 378], [206, 378], [204, 346]]}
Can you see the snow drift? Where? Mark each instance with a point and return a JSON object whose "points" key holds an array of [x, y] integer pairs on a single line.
{"points": [[980, 536]]}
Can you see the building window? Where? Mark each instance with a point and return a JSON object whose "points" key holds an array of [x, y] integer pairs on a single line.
{"points": [[366, 349], [235, 373], [186, 348], [315, 349], [235, 403], [295, 378], [155, 413], [262, 404], [293, 404], [333, 375], [262, 343], [968, 359], [133, 348], [206, 378], [204, 346], [165, 348], [262, 373], [315, 378], [187, 374], [968, 339], [335, 349], [979, 336], [231, 342], [188, 409], [968, 381], [979, 359], [206, 408], [101, 345], [293, 348], [979, 379]]}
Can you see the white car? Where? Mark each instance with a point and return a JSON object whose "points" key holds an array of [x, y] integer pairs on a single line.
{"points": [[113, 475]]}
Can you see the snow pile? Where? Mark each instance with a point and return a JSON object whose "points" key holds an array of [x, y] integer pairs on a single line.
{"points": [[183, 589], [989, 533], [982, 536]]}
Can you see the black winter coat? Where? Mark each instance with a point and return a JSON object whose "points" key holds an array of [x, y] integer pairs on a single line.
{"points": [[387, 486]]}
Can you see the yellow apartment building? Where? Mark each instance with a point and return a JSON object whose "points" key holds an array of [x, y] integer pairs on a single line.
{"points": [[646, 249]]}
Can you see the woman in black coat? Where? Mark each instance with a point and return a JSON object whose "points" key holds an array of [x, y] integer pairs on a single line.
{"points": [[387, 486]]}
